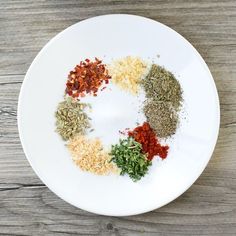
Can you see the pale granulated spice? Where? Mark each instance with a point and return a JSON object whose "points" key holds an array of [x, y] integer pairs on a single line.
{"points": [[90, 156], [127, 73]]}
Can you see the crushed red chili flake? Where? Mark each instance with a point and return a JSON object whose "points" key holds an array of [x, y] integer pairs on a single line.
{"points": [[145, 135], [103, 88], [86, 78]]}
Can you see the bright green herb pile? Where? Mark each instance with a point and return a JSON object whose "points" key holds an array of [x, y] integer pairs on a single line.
{"points": [[128, 156]]}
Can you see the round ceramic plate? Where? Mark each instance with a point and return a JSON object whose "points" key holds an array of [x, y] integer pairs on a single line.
{"points": [[109, 37]]}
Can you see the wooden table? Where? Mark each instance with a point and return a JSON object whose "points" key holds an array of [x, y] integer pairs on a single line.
{"points": [[27, 207]]}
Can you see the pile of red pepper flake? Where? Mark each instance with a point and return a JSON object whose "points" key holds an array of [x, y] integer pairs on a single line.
{"points": [[86, 78], [145, 135]]}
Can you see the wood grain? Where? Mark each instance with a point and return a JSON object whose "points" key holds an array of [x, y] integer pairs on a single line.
{"points": [[27, 207]]}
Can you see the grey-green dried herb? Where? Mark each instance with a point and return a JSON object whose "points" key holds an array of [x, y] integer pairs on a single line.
{"points": [[164, 99], [71, 118], [162, 85], [128, 156], [162, 117]]}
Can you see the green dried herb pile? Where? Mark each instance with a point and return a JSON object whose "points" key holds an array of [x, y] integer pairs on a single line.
{"points": [[128, 156]]}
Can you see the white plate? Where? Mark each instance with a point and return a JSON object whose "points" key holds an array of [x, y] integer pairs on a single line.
{"points": [[107, 37]]}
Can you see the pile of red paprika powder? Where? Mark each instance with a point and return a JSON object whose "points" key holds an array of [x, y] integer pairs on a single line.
{"points": [[145, 135]]}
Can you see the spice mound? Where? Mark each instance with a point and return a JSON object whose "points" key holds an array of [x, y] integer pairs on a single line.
{"points": [[161, 85], [71, 118], [162, 117], [127, 73], [145, 135], [86, 78], [128, 156], [90, 156]]}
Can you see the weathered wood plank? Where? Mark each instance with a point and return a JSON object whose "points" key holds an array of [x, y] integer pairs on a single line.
{"points": [[27, 207], [27, 25]]}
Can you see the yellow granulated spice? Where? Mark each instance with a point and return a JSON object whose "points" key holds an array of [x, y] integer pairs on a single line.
{"points": [[90, 156], [127, 73]]}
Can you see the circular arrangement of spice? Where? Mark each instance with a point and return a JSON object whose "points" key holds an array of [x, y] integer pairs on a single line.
{"points": [[143, 131]]}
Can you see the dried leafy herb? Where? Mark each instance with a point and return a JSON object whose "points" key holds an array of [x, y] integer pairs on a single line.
{"points": [[162, 118], [164, 98], [128, 156], [71, 118], [161, 85]]}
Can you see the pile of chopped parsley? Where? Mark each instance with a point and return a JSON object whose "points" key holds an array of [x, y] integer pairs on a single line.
{"points": [[128, 156]]}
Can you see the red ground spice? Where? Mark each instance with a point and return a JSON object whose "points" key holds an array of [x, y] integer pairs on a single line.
{"points": [[86, 78], [145, 135]]}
